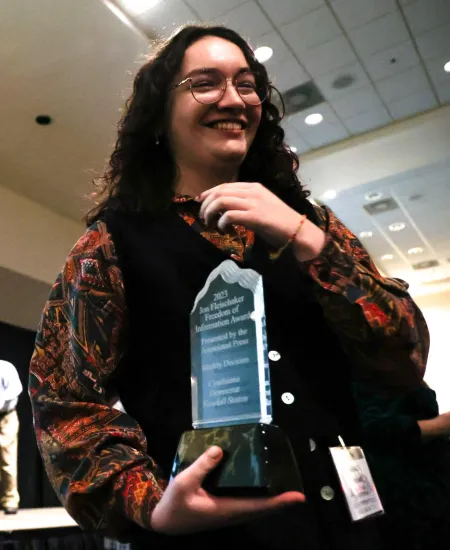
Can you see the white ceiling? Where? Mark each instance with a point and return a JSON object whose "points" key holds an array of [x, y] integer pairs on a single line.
{"points": [[75, 61], [395, 51]]}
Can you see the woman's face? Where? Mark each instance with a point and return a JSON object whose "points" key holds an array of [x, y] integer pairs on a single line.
{"points": [[198, 139]]}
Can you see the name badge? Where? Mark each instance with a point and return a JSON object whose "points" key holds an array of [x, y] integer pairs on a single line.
{"points": [[356, 481]]}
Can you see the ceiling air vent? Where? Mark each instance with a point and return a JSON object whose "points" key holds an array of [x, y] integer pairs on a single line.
{"points": [[379, 207], [301, 97], [426, 264]]}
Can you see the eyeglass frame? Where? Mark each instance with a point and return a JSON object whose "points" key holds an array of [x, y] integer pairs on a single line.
{"points": [[224, 89]]}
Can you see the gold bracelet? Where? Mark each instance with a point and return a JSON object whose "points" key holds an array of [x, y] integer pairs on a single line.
{"points": [[275, 255]]}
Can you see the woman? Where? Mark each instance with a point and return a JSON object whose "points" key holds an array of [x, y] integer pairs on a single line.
{"points": [[200, 173]]}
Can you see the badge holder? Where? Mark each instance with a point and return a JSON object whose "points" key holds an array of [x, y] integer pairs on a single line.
{"points": [[356, 480]]}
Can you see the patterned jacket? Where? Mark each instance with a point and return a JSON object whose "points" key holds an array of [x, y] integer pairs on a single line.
{"points": [[378, 324]]}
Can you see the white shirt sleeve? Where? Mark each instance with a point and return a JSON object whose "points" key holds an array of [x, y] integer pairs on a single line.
{"points": [[10, 386]]}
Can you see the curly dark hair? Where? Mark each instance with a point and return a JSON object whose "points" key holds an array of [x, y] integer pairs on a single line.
{"points": [[141, 175]]}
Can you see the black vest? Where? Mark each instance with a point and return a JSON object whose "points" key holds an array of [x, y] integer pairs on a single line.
{"points": [[165, 263]]}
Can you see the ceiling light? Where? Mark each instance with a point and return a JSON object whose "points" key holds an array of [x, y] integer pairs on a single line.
{"points": [[397, 226], [313, 119], [263, 53], [415, 250], [387, 257], [330, 194], [373, 196], [138, 7], [447, 67], [365, 234], [293, 149]]}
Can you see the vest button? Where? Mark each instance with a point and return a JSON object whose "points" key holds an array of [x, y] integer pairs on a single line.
{"points": [[327, 493], [287, 398], [274, 355]]}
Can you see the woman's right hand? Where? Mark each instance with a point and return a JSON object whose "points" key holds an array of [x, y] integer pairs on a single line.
{"points": [[186, 507]]}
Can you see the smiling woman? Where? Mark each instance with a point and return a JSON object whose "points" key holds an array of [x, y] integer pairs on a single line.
{"points": [[200, 173]]}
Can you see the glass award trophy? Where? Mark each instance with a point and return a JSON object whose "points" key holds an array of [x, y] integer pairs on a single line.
{"points": [[231, 396]]}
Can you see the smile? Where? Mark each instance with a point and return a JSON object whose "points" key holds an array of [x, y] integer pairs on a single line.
{"points": [[227, 125]]}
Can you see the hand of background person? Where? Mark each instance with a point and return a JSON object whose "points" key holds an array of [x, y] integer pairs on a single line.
{"points": [[186, 507], [435, 427], [255, 207]]}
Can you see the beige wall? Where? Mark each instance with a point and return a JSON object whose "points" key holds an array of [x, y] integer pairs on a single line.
{"points": [[436, 309], [34, 241]]}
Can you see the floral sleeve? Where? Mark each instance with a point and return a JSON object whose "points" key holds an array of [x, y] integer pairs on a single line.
{"points": [[375, 318], [95, 455]]}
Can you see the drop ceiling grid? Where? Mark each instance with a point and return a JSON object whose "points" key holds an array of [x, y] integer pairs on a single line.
{"points": [[322, 39], [420, 192]]}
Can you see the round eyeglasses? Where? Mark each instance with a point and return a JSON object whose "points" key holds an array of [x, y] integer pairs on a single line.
{"points": [[209, 86]]}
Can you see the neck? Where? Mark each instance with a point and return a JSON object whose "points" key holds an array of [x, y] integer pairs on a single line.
{"points": [[193, 181]]}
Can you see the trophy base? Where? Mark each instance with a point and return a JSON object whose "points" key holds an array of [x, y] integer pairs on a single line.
{"points": [[258, 460]]}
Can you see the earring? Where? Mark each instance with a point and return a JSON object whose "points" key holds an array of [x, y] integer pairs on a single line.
{"points": [[157, 140]]}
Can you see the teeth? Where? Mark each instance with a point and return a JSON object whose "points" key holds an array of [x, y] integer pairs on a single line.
{"points": [[228, 126]]}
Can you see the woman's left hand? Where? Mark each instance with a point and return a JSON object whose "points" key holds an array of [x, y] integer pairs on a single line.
{"points": [[251, 205], [255, 207]]}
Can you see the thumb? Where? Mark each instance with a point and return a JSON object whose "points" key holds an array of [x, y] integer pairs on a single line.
{"points": [[204, 464]]}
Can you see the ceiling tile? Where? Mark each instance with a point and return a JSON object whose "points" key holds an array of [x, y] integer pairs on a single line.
{"points": [[443, 91], [403, 84], [281, 52], [381, 66], [353, 13], [311, 30], [284, 11], [288, 74], [356, 102], [425, 15], [435, 43], [328, 57], [238, 19], [436, 69], [364, 122], [165, 17], [209, 9], [328, 131], [379, 35], [325, 83], [412, 104]]}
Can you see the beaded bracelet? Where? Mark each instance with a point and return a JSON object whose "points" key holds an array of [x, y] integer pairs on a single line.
{"points": [[275, 255]]}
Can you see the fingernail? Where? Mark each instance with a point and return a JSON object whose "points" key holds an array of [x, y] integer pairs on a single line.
{"points": [[214, 452], [197, 198]]}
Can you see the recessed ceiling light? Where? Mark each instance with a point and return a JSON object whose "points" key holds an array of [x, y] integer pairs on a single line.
{"points": [[447, 67], [263, 53], [397, 226], [43, 120], [415, 250], [373, 195], [365, 234], [313, 119], [330, 194], [138, 7], [293, 149], [387, 257]]}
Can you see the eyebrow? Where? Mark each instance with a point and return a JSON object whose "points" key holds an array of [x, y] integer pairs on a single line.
{"points": [[211, 69]]}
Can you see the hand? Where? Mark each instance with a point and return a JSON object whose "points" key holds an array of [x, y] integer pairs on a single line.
{"points": [[187, 508], [435, 427], [255, 207], [251, 205]]}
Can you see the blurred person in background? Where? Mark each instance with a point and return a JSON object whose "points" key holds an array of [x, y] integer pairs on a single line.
{"points": [[407, 443], [201, 173], [10, 389]]}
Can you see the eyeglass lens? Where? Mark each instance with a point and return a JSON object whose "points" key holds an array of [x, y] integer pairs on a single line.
{"points": [[209, 87]]}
